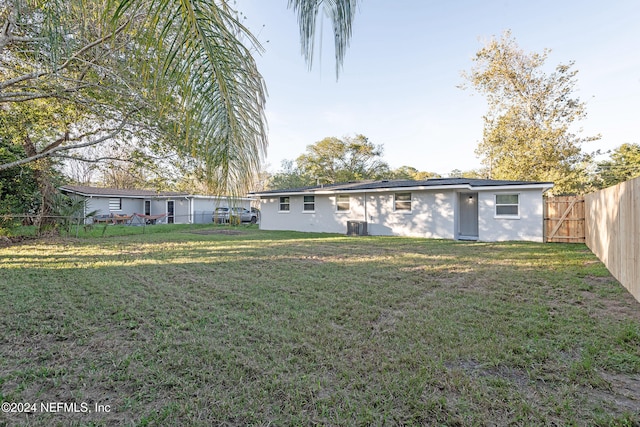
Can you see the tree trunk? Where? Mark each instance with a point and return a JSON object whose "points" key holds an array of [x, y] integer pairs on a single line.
{"points": [[44, 218]]}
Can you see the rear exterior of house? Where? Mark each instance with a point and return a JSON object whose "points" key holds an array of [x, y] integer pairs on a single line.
{"points": [[171, 207], [452, 208]]}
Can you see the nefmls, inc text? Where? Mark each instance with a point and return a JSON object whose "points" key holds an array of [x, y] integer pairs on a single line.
{"points": [[54, 407], [73, 407]]}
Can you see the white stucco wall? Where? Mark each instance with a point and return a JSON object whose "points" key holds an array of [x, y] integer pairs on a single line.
{"points": [[431, 215], [434, 214], [527, 226], [324, 219]]}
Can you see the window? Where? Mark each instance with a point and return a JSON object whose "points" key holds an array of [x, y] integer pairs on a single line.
{"points": [[309, 204], [285, 206], [507, 205], [115, 204], [402, 202], [342, 203]]}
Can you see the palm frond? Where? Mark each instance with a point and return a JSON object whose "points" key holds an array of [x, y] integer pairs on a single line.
{"points": [[341, 14], [207, 54]]}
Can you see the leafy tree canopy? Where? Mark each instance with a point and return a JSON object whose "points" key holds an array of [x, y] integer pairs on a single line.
{"points": [[528, 130], [335, 160], [624, 164], [290, 176], [18, 190], [473, 173], [409, 172], [166, 72]]}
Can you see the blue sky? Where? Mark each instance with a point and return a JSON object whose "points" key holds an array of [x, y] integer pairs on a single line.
{"points": [[399, 83]]}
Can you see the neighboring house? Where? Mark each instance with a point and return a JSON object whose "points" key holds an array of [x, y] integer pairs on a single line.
{"points": [[444, 208], [170, 207]]}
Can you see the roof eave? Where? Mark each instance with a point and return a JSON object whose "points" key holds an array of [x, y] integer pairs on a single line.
{"points": [[542, 186], [123, 196]]}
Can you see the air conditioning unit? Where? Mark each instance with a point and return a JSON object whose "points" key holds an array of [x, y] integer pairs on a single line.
{"points": [[356, 228]]}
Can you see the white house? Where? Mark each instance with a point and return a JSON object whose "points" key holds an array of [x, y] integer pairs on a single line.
{"points": [[168, 207], [445, 208]]}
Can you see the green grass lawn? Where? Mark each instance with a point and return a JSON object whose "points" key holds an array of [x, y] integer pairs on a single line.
{"points": [[213, 325]]}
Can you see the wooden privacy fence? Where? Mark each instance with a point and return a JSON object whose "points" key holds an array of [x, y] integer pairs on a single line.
{"points": [[564, 219], [613, 231]]}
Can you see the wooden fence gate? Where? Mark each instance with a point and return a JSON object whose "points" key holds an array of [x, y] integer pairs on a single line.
{"points": [[564, 219]]}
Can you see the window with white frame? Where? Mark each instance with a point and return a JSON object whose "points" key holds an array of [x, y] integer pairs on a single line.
{"points": [[343, 203], [115, 204], [507, 205], [285, 205], [309, 204], [402, 202]]}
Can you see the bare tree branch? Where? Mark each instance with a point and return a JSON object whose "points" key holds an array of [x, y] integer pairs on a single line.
{"points": [[57, 148], [87, 160], [56, 143]]}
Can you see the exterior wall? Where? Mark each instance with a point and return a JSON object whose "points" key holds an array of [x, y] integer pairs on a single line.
{"points": [[182, 214], [158, 206], [187, 209], [528, 226], [324, 219], [203, 207], [97, 204], [431, 215], [128, 206], [434, 214]]}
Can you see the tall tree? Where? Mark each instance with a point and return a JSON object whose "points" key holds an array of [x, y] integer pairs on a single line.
{"points": [[178, 72], [624, 164], [20, 126], [341, 160], [473, 173], [409, 172], [290, 176], [528, 131]]}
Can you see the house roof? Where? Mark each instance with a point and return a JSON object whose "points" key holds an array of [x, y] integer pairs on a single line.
{"points": [[114, 192], [386, 185]]}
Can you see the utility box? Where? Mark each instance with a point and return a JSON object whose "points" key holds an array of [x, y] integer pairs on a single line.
{"points": [[356, 228]]}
